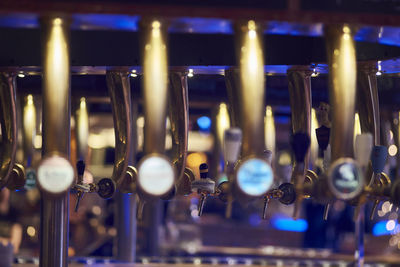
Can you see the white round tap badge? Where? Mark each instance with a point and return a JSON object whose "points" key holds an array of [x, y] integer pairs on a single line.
{"points": [[254, 177], [156, 175], [345, 179], [55, 174]]}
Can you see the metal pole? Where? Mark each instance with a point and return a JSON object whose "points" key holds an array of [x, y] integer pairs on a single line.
{"points": [[126, 203], [54, 215], [126, 225]]}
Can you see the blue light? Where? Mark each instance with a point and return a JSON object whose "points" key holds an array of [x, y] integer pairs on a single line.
{"points": [[204, 123], [254, 219], [288, 224], [380, 228]]}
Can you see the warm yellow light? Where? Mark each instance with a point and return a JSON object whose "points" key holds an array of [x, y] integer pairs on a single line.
{"points": [[392, 150], [346, 29], [156, 24], [30, 100], [57, 21], [285, 159], [37, 143], [222, 123], [190, 73], [314, 142], [140, 122], [83, 103], [252, 25], [96, 210], [31, 231], [357, 126], [194, 160], [270, 134]]}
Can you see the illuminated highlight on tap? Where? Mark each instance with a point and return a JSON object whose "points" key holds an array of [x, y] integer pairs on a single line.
{"points": [[270, 133], [222, 122], [314, 142], [357, 125]]}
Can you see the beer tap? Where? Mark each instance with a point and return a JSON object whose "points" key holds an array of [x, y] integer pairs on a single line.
{"points": [[204, 187], [156, 175], [105, 188], [300, 145], [341, 57], [178, 103], [379, 179], [232, 142], [246, 90], [12, 174], [28, 136], [123, 176]]}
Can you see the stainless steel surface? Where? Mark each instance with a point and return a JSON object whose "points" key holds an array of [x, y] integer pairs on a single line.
{"points": [[179, 118], [251, 85], [368, 100], [120, 94], [341, 54], [56, 135], [126, 227], [82, 129], [8, 121], [155, 83], [28, 129]]}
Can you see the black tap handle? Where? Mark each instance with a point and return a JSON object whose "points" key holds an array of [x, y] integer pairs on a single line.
{"points": [[300, 143], [80, 167], [323, 134], [203, 170]]}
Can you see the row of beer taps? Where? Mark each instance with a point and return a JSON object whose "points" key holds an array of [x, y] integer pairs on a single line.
{"points": [[347, 170]]}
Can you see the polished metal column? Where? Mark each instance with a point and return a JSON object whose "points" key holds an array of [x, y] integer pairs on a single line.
{"points": [[299, 83], [126, 204], [178, 103], [28, 129], [299, 79], [120, 94], [246, 94], [250, 56], [341, 56], [82, 129], [368, 100], [54, 216], [8, 121]]}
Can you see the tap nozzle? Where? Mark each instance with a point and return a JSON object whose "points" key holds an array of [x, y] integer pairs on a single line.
{"points": [[204, 186]]}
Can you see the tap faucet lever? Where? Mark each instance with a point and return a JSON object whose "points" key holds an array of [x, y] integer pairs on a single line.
{"points": [[80, 187], [300, 144], [204, 186]]}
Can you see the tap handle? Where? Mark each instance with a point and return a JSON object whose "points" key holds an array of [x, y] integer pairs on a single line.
{"points": [[80, 167], [79, 196], [232, 142], [300, 143], [266, 202], [201, 203], [378, 158], [203, 170], [323, 135], [363, 148]]}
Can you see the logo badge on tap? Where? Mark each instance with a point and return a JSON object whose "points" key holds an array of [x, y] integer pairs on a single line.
{"points": [[156, 175], [346, 180], [254, 177]]}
